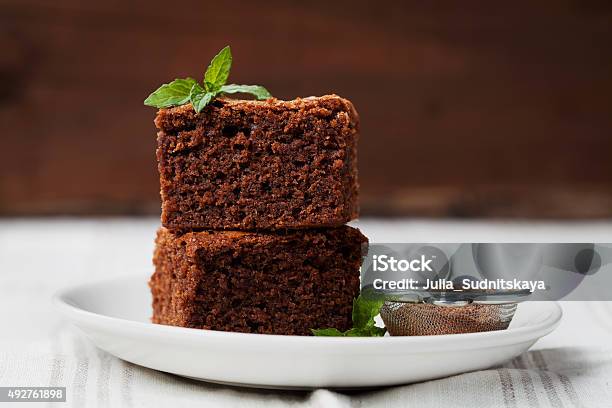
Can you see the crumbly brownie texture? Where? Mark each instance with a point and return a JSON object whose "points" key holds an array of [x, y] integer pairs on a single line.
{"points": [[252, 165], [274, 283]]}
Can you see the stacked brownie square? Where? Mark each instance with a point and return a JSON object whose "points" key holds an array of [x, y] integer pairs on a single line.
{"points": [[255, 195]]}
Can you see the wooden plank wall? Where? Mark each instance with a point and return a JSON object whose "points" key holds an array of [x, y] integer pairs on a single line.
{"points": [[468, 108]]}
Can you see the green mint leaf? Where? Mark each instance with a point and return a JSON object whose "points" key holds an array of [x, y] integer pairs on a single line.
{"points": [[377, 331], [365, 310], [329, 332], [256, 90], [175, 93], [354, 332], [199, 97], [366, 332], [202, 101], [218, 71], [196, 89]]}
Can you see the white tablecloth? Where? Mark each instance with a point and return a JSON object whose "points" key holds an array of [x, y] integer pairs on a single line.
{"points": [[572, 367]]}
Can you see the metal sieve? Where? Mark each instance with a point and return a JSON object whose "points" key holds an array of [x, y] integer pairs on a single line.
{"points": [[426, 319]]}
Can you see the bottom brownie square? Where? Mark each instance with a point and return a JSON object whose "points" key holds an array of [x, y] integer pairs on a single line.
{"points": [[275, 283]]}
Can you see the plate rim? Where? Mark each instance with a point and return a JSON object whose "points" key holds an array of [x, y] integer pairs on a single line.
{"points": [[465, 341]]}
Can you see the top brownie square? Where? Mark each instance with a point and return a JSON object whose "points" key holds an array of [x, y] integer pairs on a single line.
{"points": [[253, 165]]}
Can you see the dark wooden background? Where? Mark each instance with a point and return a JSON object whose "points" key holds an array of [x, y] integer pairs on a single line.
{"points": [[468, 108]]}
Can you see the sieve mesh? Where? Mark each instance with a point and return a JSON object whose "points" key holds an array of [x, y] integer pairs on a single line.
{"points": [[424, 319]]}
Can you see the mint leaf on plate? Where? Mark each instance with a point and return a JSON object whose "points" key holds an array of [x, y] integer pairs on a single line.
{"points": [[327, 332], [372, 331], [256, 90], [175, 93], [365, 309], [218, 71]]}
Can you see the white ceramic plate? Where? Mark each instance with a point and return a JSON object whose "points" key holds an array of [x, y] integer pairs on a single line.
{"points": [[115, 316]]}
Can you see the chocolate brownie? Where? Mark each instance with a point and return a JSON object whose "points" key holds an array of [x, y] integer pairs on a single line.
{"points": [[251, 165], [275, 283]]}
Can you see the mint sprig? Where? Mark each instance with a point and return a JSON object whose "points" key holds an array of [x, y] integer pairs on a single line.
{"points": [[181, 91], [365, 309]]}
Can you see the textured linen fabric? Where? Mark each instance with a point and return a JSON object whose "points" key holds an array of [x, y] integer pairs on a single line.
{"points": [[572, 367]]}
